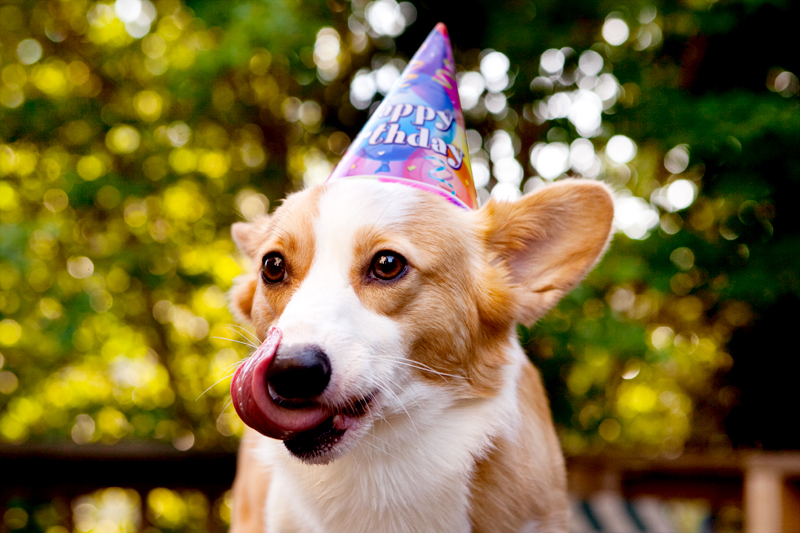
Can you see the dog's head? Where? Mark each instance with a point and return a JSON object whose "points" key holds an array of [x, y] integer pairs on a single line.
{"points": [[380, 293]]}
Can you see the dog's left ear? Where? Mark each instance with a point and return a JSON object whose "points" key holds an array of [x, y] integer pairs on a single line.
{"points": [[548, 241]]}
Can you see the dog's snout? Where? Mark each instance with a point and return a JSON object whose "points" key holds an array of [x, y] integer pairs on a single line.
{"points": [[299, 372]]}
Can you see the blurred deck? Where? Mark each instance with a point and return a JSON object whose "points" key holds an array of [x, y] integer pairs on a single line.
{"points": [[765, 486], [762, 487]]}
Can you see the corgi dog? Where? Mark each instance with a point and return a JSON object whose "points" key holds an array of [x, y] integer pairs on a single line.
{"points": [[391, 393]]}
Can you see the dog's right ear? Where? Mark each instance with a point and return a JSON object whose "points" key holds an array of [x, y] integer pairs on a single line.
{"points": [[247, 236], [547, 241]]}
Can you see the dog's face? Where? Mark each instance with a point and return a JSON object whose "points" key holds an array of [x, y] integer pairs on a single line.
{"points": [[388, 299]]}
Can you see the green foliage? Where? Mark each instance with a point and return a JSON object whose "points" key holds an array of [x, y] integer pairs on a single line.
{"points": [[124, 160]]}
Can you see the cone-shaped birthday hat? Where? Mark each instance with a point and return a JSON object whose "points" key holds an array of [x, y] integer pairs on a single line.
{"points": [[416, 136]]}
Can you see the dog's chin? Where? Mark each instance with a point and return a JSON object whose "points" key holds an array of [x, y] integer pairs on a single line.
{"points": [[332, 439], [335, 436]]}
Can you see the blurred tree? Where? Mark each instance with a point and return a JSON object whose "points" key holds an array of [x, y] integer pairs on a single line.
{"points": [[133, 133]]}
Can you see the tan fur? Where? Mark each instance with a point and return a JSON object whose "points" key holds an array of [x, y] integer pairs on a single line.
{"points": [[447, 312], [549, 240], [249, 488], [472, 276], [289, 231], [533, 461]]}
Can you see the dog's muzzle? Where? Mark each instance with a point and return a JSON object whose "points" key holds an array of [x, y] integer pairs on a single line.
{"points": [[296, 377]]}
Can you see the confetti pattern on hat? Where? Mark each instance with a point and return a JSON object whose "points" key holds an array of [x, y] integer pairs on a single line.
{"points": [[417, 136]]}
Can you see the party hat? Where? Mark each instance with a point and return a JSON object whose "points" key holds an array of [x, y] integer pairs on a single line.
{"points": [[417, 136]]}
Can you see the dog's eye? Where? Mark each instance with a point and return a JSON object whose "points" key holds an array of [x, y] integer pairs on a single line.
{"points": [[273, 269], [388, 265]]}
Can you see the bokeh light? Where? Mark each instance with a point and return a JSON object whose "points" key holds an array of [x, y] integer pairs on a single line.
{"points": [[590, 63], [615, 30], [386, 76], [552, 61], [677, 159], [29, 51], [326, 54], [506, 192], [634, 216], [470, 88], [783, 82], [550, 159], [585, 112], [681, 193], [362, 89], [387, 17], [621, 149], [494, 68], [582, 157]]}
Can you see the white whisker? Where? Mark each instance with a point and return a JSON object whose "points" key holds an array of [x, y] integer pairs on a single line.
{"points": [[225, 406], [385, 388], [417, 365], [234, 340], [220, 380], [235, 364], [382, 450], [242, 331]]}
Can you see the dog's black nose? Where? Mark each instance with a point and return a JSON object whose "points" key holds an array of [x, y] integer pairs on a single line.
{"points": [[299, 371]]}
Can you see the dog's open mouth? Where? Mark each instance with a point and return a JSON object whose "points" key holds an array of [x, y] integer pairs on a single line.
{"points": [[309, 428], [321, 439]]}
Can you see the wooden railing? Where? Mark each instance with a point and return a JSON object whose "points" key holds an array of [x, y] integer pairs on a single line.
{"points": [[764, 486], [126, 465], [32, 477]]}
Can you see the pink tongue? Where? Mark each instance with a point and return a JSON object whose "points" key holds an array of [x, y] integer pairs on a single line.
{"points": [[254, 404]]}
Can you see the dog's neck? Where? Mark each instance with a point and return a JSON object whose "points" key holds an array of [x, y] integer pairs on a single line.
{"points": [[412, 471]]}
